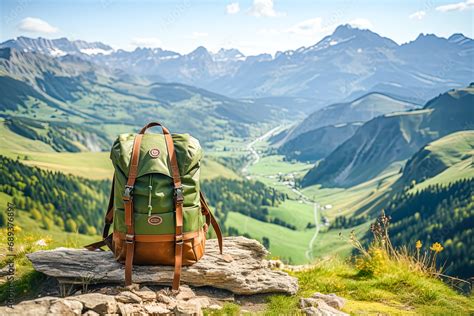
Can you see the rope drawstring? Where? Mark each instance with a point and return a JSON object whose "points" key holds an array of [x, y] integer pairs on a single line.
{"points": [[150, 190]]}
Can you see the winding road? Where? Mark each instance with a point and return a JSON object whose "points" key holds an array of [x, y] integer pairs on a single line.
{"points": [[309, 252], [253, 152], [256, 158]]}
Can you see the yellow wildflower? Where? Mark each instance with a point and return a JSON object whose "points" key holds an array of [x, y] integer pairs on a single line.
{"points": [[436, 247], [418, 244]]}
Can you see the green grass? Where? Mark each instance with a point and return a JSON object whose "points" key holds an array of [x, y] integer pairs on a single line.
{"points": [[273, 182], [284, 243], [461, 170], [228, 309], [97, 165], [397, 291], [453, 147], [283, 305], [28, 234], [92, 165], [334, 241], [212, 169], [294, 244], [272, 165], [26, 286], [346, 201], [58, 237], [442, 161], [4, 199], [11, 144], [293, 212]]}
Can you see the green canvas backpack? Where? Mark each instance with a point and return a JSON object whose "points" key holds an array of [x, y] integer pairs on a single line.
{"points": [[158, 212]]}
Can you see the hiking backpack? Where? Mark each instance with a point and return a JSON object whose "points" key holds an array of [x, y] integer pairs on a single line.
{"points": [[158, 212]]}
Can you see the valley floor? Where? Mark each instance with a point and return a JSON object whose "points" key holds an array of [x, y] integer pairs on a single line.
{"points": [[310, 210]]}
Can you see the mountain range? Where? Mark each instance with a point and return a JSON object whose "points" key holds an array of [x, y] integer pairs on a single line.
{"points": [[382, 122], [361, 109], [345, 65], [72, 89], [318, 143], [57, 47], [394, 137], [434, 158]]}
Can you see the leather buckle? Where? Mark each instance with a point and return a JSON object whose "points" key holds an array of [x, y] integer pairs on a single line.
{"points": [[127, 193], [129, 238], [178, 194], [179, 239]]}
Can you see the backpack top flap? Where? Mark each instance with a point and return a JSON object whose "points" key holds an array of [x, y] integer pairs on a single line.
{"points": [[154, 154]]}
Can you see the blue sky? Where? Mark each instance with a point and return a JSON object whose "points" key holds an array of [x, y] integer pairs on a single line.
{"points": [[253, 26]]}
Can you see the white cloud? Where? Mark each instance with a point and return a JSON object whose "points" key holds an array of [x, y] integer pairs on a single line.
{"points": [[35, 25], [268, 32], [361, 23], [233, 8], [419, 15], [264, 8], [307, 27], [314, 27], [460, 6], [150, 42], [197, 35]]}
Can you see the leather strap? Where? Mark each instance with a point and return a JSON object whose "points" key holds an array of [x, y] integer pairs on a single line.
{"points": [[160, 238], [98, 245], [178, 201], [130, 237], [128, 205], [211, 220], [109, 218]]}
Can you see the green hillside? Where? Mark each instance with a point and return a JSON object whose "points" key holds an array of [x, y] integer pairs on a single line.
{"points": [[61, 136], [361, 109], [438, 156], [393, 137], [438, 213], [73, 90], [54, 199], [440, 163], [286, 244], [317, 144], [461, 170], [39, 152]]}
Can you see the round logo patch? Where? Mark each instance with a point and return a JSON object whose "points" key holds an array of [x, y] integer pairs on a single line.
{"points": [[154, 152], [155, 220]]}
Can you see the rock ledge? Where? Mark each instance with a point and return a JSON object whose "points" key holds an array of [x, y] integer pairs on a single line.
{"points": [[242, 269]]}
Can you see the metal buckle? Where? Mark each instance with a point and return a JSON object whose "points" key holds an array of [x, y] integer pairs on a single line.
{"points": [[179, 239], [129, 238], [178, 194], [127, 193]]}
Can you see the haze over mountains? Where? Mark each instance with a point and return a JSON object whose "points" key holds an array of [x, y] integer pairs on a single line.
{"points": [[361, 109], [370, 122], [344, 65], [319, 142], [71, 89], [435, 157], [394, 137], [57, 47], [369, 76]]}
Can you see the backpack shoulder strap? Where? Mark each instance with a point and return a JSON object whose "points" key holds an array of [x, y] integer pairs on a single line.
{"points": [[211, 220], [109, 218], [128, 205], [178, 203]]}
